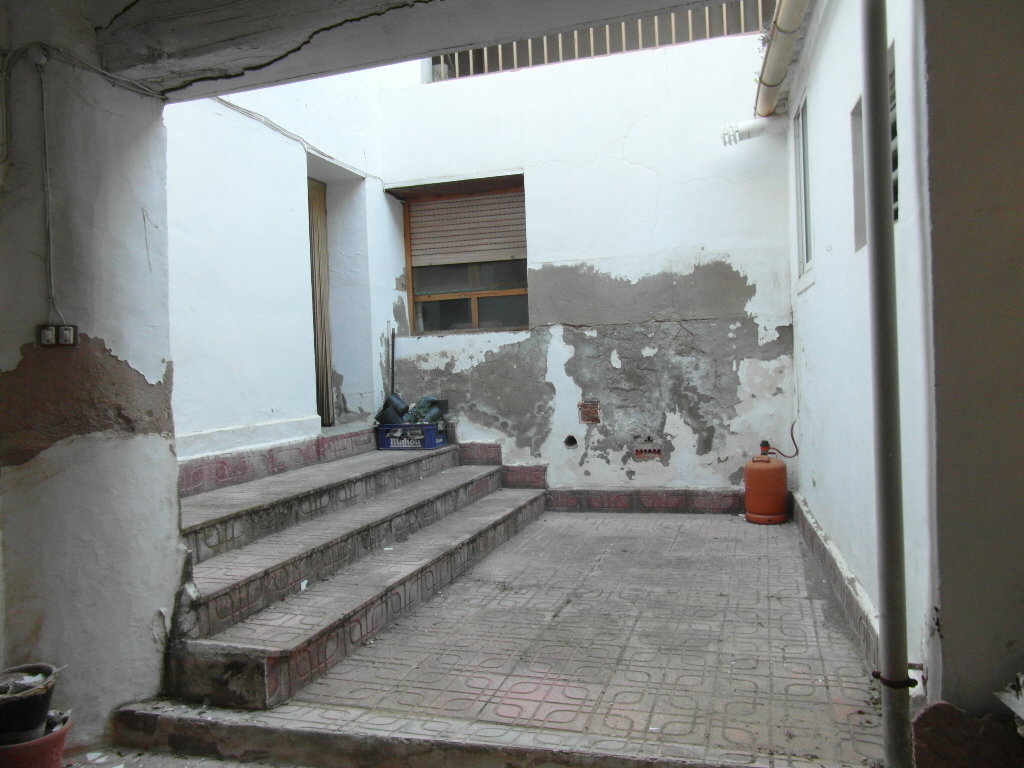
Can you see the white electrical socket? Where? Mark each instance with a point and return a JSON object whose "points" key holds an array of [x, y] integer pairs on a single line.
{"points": [[47, 335], [67, 335]]}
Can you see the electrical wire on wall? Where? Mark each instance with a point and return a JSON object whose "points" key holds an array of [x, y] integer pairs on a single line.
{"points": [[39, 54]]}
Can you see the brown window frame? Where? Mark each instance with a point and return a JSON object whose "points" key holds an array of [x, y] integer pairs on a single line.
{"points": [[473, 296]]}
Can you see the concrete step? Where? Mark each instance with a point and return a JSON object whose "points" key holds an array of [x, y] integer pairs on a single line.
{"points": [[264, 660], [235, 585], [228, 518]]}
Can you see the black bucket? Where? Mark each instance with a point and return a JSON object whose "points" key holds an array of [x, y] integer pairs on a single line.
{"points": [[25, 703], [393, 410]]}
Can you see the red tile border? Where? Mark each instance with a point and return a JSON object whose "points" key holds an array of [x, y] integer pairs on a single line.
{"points": [[534, 476], [207, 473], [681, 500], [480, 453]]}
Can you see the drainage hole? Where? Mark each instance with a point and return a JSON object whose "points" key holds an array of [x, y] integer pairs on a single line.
{"points": [[570, 442]]}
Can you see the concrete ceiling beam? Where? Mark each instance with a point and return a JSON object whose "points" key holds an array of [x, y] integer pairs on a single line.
{"points": [[191, 49]]}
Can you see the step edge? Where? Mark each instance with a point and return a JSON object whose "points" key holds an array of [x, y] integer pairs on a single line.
{"points": [[206, 597], [316, 489], [140, 727], [335, 622]]}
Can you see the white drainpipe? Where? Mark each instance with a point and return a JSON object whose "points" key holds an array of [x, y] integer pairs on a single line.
{"points": [[789, 15], [748, 129]]}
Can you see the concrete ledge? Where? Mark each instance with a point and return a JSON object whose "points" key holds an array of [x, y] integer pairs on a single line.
{"points": [[682, 500], [857, 607], [341, 743], [206, 473]]}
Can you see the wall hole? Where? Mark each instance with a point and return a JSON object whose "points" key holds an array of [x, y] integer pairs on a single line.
{"points": [[570, 442]]}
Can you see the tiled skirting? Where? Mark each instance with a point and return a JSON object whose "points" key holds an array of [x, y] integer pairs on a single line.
{"points": [[715, 500], [207, 473], [856, 604]]}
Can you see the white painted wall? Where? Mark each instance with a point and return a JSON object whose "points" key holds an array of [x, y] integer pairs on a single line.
{"points": [[835, 469], [625, 172], [240, 258], [241, 302]]}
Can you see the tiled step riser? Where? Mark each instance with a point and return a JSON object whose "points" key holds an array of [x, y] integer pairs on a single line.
{"points": [[233, 678], [218, 612], [226, 535]]}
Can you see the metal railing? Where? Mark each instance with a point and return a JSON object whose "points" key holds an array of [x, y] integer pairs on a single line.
{"points": [[685, 25]]}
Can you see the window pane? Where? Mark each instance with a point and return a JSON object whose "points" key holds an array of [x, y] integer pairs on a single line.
{"points": [[442, 278], [503, 311], [501, 275], [448, 315]]}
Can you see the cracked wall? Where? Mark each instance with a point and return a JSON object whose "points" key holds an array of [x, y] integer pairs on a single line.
{"points": [[658, 266]]}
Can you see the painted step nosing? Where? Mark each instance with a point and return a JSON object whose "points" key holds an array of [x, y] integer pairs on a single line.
{"points": [[242, 527], [276, 661], [313, 490], [251, 595]]}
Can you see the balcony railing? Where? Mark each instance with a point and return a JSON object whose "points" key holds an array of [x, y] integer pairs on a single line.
{"points": [[685, 25]]}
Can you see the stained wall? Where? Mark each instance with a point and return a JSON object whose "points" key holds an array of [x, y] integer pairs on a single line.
{"points": [[88, 506], [658, 265]]}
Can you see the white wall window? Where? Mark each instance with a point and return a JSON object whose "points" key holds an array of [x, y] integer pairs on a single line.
{"points": [[803, 196], [467, 260]]}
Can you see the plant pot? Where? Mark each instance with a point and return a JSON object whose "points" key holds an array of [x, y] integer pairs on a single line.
{"points": [[45, 752], [23, 713]]}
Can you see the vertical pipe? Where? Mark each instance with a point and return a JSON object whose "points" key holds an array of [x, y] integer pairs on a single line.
{"points": [[560, 56], [457, 75], [639, 34], [545, 49], [529, 52], [892, 607], [515, 55], [760, 15], [623, 37], [591, 42], [607, 39], [725, 19], [743, 20], [575, 43], [689, 23], [657, 41], [673, 27], [707, 22]]}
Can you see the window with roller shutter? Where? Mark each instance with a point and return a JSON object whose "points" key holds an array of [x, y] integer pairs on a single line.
{"points": [[467, 259]]}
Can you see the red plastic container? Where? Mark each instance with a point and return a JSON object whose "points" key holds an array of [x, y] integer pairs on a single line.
{"points": [[45, 752], [766, 496]]}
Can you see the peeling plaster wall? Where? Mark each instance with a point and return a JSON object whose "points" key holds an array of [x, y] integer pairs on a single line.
{"points": [[658, 264], [835, 469], [241, 302], [88, 506]]}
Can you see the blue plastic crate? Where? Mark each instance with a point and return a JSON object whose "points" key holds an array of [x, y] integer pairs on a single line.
{"points": [[410, 437]]}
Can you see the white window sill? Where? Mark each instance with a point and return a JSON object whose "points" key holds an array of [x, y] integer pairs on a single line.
{"points": [[805, 281]]}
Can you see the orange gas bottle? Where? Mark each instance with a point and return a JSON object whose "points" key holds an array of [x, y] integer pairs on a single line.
{"points": [[764, 478]]}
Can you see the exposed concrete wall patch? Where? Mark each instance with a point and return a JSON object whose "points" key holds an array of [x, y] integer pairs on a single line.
{"points": [[506, 390], [56, 394]]}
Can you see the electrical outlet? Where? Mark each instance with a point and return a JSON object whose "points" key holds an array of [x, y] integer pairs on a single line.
{"points": [[46, 335], [67, 335]]}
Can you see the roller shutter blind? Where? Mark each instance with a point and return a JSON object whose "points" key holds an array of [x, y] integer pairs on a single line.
{"points": [[488, 227]]}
